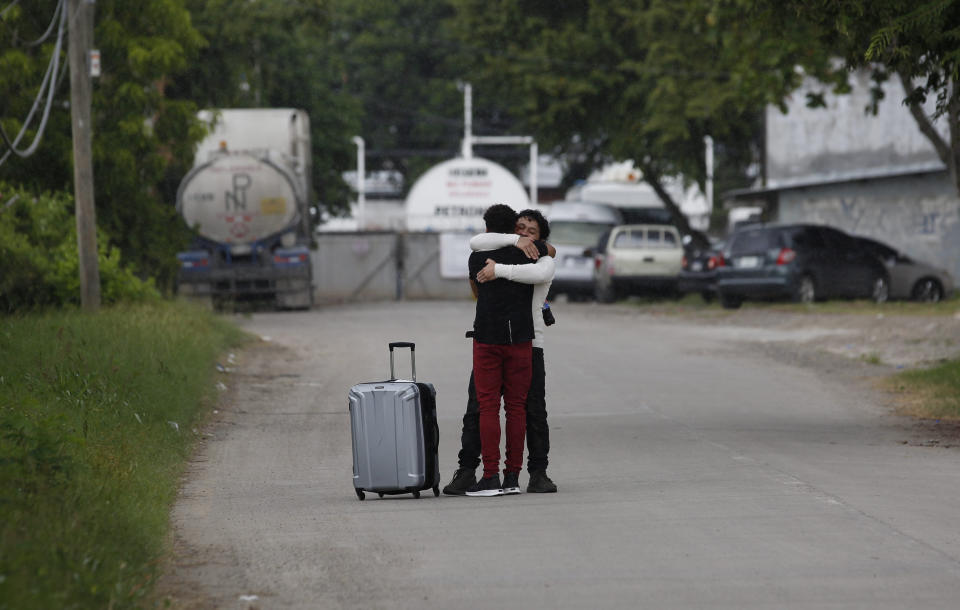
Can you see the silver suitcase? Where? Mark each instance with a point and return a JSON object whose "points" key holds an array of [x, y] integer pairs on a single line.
{"points": [[395, 434]]}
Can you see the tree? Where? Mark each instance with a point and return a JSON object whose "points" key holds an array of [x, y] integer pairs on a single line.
{"points": [[404, 64], [386, 70], [276, 53], [140, 135], [914, 41], [39, 261], [641, 79]]}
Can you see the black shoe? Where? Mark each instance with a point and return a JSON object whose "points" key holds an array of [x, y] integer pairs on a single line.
{"points": [[487, 486], [540, 483], [511, 483], [463, 480]]}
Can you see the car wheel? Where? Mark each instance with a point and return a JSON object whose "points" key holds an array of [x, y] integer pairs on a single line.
{"points": [[806, 290], [880, 291], [729, 301], [604, 293], [927, 291]]}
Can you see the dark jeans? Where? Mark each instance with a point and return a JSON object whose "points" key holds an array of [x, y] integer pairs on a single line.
{"points": [[538, 433]]}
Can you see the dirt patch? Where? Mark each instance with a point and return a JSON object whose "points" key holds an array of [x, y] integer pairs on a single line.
{"points": [[896, 341], [854, 348]]}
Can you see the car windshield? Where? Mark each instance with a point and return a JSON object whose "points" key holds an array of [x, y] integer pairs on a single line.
{"points": [[572, 233], [628, 239], [755, 240], [652, 238]]}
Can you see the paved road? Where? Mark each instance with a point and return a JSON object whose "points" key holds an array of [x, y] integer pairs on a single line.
{"points": [[694, 472]]}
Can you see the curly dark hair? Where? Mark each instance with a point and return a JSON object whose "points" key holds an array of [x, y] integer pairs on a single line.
{"points": [[540, 219], [500, 218]]}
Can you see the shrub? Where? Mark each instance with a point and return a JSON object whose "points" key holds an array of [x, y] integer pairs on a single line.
{"points": [[39, 263]]}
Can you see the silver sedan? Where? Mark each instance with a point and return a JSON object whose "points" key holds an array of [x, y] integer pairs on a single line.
{"points": [[910, 279]]}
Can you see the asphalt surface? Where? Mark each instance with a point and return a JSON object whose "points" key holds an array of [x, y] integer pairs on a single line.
{"points": [[695, 471]]}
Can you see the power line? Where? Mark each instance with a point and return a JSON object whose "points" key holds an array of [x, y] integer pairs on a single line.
{"points": [[3, 13], [46, 34], [51, 79]]}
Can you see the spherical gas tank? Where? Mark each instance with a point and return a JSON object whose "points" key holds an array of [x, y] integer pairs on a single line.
{"points": [[238, 199], [453, 195]]}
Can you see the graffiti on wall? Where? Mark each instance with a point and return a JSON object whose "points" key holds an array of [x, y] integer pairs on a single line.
{"points": [[858, 216]]}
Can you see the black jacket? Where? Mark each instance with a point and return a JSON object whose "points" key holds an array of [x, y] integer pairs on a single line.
{"points": [[503, 307]]}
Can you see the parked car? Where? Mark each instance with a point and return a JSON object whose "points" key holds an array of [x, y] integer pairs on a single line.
{"points": [[802, 262], [910, 279], [698, 273], [637, 259], [574, 227]]}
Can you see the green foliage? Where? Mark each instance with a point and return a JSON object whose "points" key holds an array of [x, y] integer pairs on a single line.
{"points": [[39, 264], [917, 41], [142, 138], [384, 70], [641, 79], [275, 53], [402, 62], [933, 392], [89, 463]]}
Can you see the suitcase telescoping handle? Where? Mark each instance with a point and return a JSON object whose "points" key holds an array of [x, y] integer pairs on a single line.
{"points": [[413, 360]]}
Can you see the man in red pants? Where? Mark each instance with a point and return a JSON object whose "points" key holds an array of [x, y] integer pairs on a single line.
{"points": [[502, 357]]}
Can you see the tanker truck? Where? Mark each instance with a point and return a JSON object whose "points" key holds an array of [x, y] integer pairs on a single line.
{"points": [[247, 200]]}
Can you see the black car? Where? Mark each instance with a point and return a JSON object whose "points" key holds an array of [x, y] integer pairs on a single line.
{"points": [[698, 273], [802, 262]]}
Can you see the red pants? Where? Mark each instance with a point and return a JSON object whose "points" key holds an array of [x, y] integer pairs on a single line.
{"points": [[506, 367]]}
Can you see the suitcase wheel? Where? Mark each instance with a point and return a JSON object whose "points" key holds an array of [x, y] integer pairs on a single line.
{"points": [[416, 494], [360, 494], [436, 492]]}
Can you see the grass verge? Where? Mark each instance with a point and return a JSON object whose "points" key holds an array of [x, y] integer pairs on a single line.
{"points": [[96, 420], [932, 393]]}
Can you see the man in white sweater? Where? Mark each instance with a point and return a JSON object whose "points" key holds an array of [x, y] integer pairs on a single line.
{"points": [[531, 226]]}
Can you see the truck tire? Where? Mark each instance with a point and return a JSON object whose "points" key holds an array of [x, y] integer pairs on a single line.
{"points": [[806, 291], [299, 300], [880, 289], [199, 294], [604, 293], [927, 290], [729, 301]]}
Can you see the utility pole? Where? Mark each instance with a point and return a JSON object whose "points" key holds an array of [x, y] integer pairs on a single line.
{"points": [[466, 147], [80, 24], [361, 182], [708, 159]]}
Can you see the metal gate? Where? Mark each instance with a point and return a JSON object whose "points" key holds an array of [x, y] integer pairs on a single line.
{"points": [[381, 266]]}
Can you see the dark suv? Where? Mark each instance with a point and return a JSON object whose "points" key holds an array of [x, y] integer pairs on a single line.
{"points": [[802, 262]]}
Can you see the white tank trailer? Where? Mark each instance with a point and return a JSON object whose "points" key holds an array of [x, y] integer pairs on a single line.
{"points": [[247, 199]]}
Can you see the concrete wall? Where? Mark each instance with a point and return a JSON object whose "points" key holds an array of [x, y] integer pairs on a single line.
{"points": [[381, 266], [919, 215], [842, 140], [421, 270]]}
